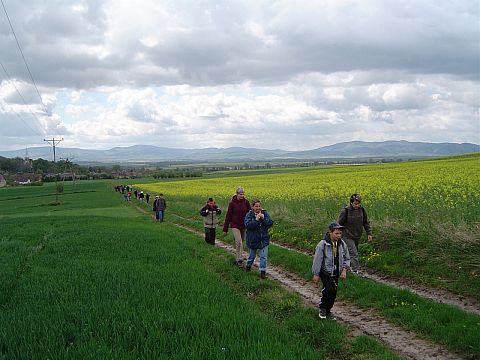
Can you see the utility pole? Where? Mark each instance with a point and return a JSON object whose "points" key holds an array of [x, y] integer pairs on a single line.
{"points": [[53, 142]]}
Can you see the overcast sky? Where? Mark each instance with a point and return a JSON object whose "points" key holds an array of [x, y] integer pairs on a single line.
{"points": [[293, 75]]}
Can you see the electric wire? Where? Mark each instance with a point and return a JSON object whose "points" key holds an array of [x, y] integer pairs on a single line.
{"points": [[23, 99], [25, 122], [23, 57]]}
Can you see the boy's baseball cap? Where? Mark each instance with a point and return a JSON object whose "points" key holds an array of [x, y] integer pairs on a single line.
{"points": [[334, 225]]}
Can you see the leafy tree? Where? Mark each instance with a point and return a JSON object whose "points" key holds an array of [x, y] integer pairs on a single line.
{"points": [[42, 166]]}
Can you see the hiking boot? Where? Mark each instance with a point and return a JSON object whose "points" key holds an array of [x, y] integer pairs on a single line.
{"points": [[331, 316], [240, 263], [322, 313], [248, 267], [263, 274]]}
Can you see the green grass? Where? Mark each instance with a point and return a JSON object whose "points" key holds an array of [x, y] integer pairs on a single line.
{"points": [[448, 325], [420, 253], [93, 278]]}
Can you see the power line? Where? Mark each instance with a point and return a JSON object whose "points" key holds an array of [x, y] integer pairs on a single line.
{"points": [[23, 57], [36, 132], [26, 123], [23, 99]]}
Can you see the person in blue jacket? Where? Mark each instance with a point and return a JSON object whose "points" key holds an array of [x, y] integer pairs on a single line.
{"points": [[257, 223]]}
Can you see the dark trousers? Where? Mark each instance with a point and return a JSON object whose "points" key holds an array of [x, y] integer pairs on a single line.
{"points": [[210, 235], [329, 291]]}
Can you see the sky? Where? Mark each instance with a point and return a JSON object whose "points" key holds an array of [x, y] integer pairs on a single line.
{"points": [[292, 75]]}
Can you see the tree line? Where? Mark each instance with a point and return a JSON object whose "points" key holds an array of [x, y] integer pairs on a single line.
{"points": [[39, 166]]}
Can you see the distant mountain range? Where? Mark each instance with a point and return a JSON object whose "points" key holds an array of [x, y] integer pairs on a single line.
{"points": [[346, 150]]}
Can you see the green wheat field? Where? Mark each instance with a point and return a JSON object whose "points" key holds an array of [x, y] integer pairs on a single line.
{"points": [[94, 278]]}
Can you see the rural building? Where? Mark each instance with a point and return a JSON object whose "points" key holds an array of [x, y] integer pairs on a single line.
{"points": [[67, 176], [26, 178]]}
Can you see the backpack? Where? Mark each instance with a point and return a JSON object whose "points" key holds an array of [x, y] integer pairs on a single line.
{"points": [[346, 213]]}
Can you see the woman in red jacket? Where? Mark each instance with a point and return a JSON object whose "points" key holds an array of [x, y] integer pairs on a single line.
{"points": [[237, 209]]}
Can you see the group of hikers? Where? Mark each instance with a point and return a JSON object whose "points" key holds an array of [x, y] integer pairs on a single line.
{"points": [[159, 203], [335, 254], [127, 191]]}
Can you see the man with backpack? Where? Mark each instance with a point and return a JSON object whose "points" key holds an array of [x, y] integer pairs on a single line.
{"points": [[354, 218], [159, 206]]}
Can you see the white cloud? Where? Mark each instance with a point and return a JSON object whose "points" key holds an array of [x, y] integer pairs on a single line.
{"points": [[283, 74], [18, 92], [76, 109], [257, 31]]}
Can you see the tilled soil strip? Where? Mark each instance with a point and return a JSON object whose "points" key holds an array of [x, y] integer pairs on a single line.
{"points": [[405, 343], [441, 296]]}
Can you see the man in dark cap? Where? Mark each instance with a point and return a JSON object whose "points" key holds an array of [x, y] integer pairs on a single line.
{"points": [[330, 263]]}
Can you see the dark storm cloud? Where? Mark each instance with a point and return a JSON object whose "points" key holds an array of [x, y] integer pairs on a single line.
{"points": [[217, 43]]}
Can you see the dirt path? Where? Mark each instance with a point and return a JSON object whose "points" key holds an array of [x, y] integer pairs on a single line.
{"points": [[438, 295], [467, 304], [406, 343]]}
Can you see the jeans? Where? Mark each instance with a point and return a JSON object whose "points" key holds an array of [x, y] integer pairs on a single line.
{"points": [[263, 253], [159, 215]]}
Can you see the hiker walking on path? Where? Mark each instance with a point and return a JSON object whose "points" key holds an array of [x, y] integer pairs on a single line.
{"points": [[210, 214], [354, 218], [257, 223], [159, 206], [330, 263], [237, 209]]}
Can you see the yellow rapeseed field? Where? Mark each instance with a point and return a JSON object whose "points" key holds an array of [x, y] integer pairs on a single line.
{"points": [[447, 185]]}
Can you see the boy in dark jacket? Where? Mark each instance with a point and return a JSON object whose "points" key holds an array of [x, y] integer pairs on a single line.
{"points": [[354, 218], [210, 214], [330, 263], [257, 222]]}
